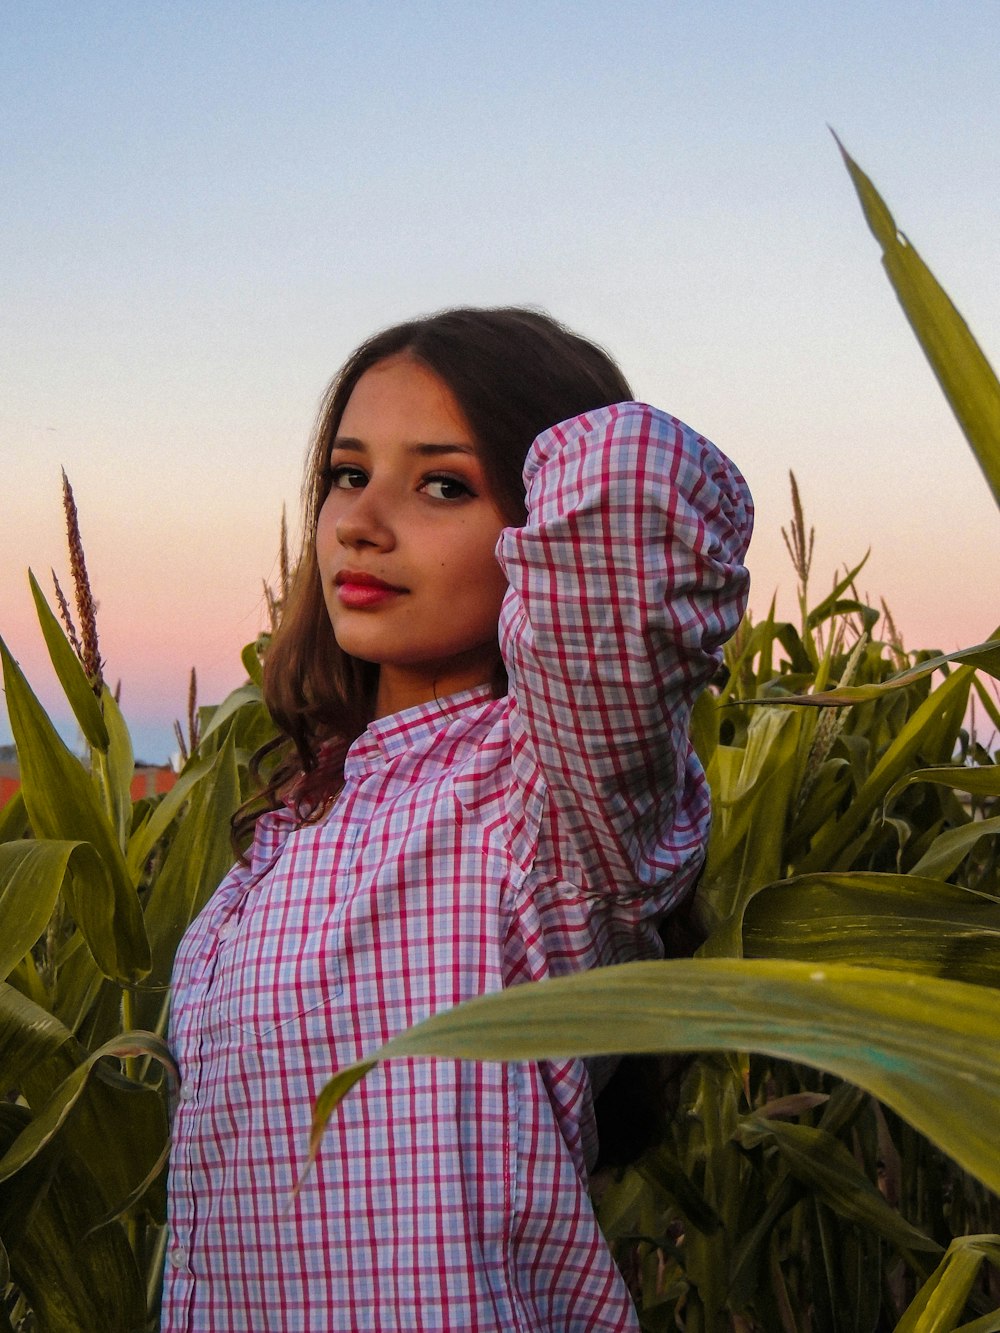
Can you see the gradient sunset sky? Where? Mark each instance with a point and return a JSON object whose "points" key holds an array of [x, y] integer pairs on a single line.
{"points": [[206, 206]]}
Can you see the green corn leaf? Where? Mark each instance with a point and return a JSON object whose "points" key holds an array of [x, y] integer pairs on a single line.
{"points": [[80, 982], [902, 922], [62, 803], [85, 1106], [198, 858], [962, 370], [822, 1163], [31, 875], [665, 1175], [983, 656], [758, 643], [828, 785], [941, 1300], [252, 664], [949, 849], [145, 838], [827, 606], [989, 706], [118, 767], [107, 1108], [744, 850], [618, 1206], [833, 846], [53, 1116], [752, 641], [982, 781], [705, 727], [76, 1279], [105, 908], [789, 638], [14, 819], [230, 706], [923, 1046], [29, 1035], [751, 1250], [848, 607], [72, 677]]}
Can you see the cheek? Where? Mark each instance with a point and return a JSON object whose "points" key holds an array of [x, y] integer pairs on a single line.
{"points": [[326, 528], [485, 582], [472, 553]]}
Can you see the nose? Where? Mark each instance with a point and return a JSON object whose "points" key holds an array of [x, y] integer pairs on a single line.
{"points": [[365, 522]]}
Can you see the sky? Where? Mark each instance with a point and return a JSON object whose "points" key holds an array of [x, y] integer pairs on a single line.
{"points": [[206, 206]]}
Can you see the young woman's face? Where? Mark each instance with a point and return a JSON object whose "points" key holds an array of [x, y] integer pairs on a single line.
{"points": [[406, 536]]}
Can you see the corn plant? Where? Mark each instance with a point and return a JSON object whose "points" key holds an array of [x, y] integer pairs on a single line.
{"points": [[95, 892], [831, 1163]]}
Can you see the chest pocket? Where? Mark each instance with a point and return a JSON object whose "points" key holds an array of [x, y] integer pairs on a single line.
{"points": [[279, 954]]}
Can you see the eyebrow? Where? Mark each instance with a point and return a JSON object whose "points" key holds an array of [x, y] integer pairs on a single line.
{"points": [[425, 450]]}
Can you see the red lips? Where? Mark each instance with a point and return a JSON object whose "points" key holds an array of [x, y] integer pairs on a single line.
{"points": [[360, 579], [358, 591]]}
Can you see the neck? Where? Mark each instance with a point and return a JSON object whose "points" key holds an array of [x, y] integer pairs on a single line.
{"points": [[405, 687]]}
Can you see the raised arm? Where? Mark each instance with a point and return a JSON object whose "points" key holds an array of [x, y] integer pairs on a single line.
{"points": [[624, 583]]}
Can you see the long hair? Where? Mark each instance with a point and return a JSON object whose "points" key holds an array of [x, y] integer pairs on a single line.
{"points": [[513, 372]]}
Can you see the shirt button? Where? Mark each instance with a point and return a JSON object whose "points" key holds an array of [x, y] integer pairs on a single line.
{"points": [[187, 1092], [178, 1256], [225, 930]]}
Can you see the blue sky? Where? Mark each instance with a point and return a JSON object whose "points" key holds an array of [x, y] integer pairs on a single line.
{"points": [[207, 206]]}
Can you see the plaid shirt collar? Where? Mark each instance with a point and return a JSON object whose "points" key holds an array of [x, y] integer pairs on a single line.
{"points": [[417, 731]]}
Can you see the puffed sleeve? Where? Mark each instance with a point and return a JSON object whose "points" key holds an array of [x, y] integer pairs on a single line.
{"points": [[625, 582]]}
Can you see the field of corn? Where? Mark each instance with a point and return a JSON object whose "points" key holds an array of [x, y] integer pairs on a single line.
{"points": [[829, 1160]]}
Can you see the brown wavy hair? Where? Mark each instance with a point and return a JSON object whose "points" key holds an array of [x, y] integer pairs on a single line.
{"points": [[514, 372]]}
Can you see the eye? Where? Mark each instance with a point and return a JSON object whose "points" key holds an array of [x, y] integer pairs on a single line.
{"points": [[443, 487], [344, 477]]}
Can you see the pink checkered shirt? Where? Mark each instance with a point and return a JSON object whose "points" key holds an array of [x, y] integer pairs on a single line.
{"points": [[477, 843]]}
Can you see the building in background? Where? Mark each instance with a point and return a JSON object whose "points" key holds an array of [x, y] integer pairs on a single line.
{"points": [[148, 780]]}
